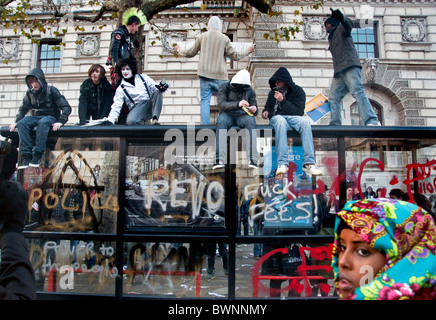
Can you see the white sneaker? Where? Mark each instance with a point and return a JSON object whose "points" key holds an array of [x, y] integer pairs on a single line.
{"points": [[312, 169], [218, 165], [283, 168], [253, 165], [374, 124]]}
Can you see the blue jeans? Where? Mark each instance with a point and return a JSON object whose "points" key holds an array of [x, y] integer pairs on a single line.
{"points": [[25, 126], [350, 81], [257, 231], [207, 88], [224, 122], [281, 124]]}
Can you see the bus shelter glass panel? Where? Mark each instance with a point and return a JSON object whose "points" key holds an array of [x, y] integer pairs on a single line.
{"points": [[391, 168], [286, 270], [73, 266], [76, 187], [289, 203], [162, 192], [178, 270]]}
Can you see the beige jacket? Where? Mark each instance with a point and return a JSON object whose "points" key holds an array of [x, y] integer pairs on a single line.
{"points": [[215, 47]]}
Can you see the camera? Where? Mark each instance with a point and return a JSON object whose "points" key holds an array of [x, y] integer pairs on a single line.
{"points": [[163, 85]]}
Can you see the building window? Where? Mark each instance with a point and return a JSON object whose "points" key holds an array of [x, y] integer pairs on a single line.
{"points": [[49, 58], [355, 116], [365, 41]]}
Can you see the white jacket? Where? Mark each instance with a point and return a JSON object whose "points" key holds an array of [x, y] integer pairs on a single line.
{"points": [[138, 93]]}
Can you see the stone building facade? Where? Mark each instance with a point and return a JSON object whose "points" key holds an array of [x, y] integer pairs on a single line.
{"points": [[398, 55]]}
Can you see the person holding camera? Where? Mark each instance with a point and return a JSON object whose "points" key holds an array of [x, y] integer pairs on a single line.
{"points": [[285, 109], [140, 93], [17, 279]]}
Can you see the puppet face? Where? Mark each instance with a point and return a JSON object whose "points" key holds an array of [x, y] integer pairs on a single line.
{"points": [[126, 72]]}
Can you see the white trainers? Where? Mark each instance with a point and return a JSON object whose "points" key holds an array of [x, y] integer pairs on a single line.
{"points": [[218, 165], [374, 124], [312, 169], [283, 168], [253, 165]]}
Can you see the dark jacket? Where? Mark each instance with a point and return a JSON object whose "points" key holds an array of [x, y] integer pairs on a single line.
{"points": [[229, 98], [104, 100], [121, 46], [47, 101], [294, 97], [341, 46], [17, 278]]}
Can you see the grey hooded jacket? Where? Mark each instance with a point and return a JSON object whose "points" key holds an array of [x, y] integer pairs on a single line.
{"points": [[46, 101]]}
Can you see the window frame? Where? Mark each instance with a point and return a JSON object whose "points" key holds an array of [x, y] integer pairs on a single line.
{"points": [[46, 69], [356, 26]]}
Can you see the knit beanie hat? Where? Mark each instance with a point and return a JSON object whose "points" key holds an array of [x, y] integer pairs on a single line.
{"points": [[334, 22]]}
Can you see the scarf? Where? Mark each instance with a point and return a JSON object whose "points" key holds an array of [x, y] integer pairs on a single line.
{"points": [[402, 231]]}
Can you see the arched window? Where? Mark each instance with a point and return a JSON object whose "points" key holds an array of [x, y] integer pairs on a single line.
{"points": [[355, 116]]}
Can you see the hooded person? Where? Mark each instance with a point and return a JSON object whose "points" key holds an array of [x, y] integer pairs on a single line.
{"points": [[384, 249], [347, 70], [17, 278], [285, 110], [49, 110], [214, 48], [237, 107]]}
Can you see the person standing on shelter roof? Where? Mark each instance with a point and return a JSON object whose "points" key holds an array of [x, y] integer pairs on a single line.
{"points": [[121, 46], [214, 47], [347, 71]]}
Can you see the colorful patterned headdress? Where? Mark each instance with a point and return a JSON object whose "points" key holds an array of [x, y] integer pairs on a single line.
{"points": [[406, 234]]}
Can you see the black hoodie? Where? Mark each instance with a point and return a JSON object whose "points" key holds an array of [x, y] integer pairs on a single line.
{"points": [[294, 98], [341, 46], [46, 101]]}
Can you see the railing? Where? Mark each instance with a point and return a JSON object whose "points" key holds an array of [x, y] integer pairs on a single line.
{"points": [[98, 234]]}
